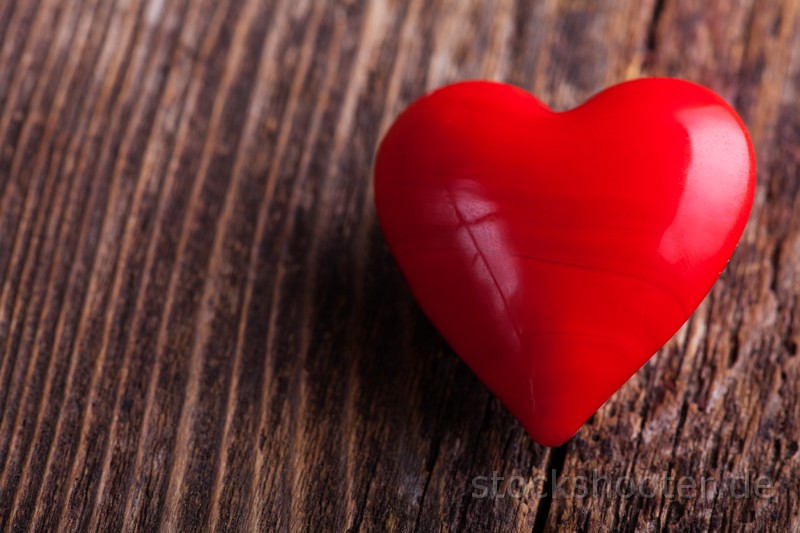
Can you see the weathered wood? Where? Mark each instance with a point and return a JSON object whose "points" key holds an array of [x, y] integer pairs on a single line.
{"points": [[201, 327]]}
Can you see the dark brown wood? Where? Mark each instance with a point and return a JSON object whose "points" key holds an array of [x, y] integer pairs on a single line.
{"points": [[201, 327]]}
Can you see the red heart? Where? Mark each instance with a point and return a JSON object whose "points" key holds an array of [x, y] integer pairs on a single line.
{"points": [[557, 252]]}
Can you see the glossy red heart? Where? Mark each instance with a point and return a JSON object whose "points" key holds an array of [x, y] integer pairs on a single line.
{"points": [[557, 252]]}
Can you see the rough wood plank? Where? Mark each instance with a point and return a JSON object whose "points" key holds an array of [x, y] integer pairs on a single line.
{"points": [[200, 325]]}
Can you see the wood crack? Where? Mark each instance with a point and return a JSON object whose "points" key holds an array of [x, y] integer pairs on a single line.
{"points": [[554, 468]]}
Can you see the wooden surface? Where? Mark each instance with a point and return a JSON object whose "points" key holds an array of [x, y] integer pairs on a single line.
{"points": [[201, 326]]}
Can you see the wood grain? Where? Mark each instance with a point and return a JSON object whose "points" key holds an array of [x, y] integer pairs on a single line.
{"points": [[202, 329]]}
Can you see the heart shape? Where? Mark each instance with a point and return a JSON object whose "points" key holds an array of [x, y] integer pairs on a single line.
{"points": [[557, 252]]}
